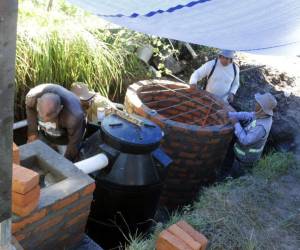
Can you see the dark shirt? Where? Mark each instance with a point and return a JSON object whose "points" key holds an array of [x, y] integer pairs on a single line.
{"points": [[71, 118]]}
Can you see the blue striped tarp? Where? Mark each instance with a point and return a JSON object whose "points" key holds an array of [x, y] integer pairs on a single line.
{"points": [[264, 27]]}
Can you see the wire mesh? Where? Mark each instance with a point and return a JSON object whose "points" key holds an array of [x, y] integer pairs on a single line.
{"points": [[206, 107]]}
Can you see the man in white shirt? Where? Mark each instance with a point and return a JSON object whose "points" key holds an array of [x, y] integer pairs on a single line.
{"points": [[222, 76]]}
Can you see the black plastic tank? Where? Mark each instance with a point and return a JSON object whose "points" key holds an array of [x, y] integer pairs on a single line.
{"points": [[128, 190]]}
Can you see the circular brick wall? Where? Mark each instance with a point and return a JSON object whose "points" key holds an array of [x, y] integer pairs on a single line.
{"points": [[197, 133]]}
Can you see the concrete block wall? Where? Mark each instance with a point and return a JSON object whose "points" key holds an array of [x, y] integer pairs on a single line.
{"points": [[197, 151], [59, 220]]}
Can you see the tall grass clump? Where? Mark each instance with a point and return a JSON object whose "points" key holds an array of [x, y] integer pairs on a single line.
{"points": [[274, 164], [65, 45]]}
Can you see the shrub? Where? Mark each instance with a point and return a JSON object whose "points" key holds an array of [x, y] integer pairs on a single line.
{"points": [[55, 46], [274, 165]]}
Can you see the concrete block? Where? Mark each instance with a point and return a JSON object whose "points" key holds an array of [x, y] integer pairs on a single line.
{"points": [[24, 199], [23, 179]]}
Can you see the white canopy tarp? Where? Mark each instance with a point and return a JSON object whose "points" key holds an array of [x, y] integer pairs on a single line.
{"points": [[263, 27]]}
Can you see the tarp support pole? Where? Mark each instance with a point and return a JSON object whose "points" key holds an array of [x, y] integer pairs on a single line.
{"points": [[8, 24]]}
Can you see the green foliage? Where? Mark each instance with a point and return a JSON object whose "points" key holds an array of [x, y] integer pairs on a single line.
{"points": [[274, 164], [163, 49], [64, 45]]}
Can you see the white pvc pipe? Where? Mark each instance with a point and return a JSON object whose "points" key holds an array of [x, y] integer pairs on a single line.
{"points": [[20, 124], [93, 163]]}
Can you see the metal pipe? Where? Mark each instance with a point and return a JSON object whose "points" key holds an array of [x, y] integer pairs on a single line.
{"points": [[173, 106], [184, 113], [206, 116], [20, 124], [210, 115], [183, 95], [159, 91], [92, 164], [176, 77], [167, 99], [179, 104]]}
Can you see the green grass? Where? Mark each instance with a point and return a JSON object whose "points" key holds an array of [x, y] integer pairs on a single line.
{"points": [[274, 165], [252, 212], [66, 45]]}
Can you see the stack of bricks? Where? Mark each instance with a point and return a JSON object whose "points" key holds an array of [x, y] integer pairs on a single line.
{"points": [[25, 190], [181, 236], [25, 187], [197, 151]]}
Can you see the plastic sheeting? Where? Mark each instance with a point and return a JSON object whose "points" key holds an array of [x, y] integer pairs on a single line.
{"points": [[263, 27]]}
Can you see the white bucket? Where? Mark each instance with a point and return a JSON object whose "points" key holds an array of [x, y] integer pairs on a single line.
{"points": [[145, 53]]}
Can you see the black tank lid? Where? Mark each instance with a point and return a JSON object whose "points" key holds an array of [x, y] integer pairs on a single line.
{"points": [[128, 137]]}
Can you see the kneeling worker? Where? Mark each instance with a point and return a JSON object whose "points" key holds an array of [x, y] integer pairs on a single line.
{"points": [[252, 139], [55, 116], [90, 101]]}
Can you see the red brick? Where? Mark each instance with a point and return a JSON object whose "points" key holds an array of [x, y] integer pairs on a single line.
{"points": [[23, 179], [28, 220], [214, 141], [16, 154], [48, 234], [187, 155], [70, 242], [81, 205], [20, 237], [77, 219], [193, 233], [184, 236], [89, 189], [65, 202], [25, 199], [168, 241], [25, 210], [50, 223]]}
